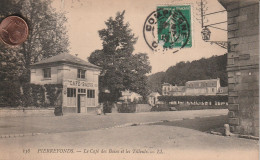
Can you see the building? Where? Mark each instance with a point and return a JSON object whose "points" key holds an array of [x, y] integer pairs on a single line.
{"points": [[222, 91], [177, 91], [129, 96], [202, 87], [195, 88], [243, 65], [166, 88], [153, 98], [170, 90], [78, 77]]}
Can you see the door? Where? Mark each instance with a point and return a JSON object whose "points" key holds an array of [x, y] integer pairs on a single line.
{"points": [[81, 102]]}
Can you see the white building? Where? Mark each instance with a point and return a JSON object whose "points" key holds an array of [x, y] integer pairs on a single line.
{"points": [[153, 98], [195, 88], [202, 87], [78, 77], [130, 96]]}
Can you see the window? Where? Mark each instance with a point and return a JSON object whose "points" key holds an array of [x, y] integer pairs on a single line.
{"points": [[81, 73], [71, 92], [91, 93], [213, 89], [47, 73], [81, 90]]}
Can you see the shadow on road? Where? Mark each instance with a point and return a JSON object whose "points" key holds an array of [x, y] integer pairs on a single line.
{"points": [[200, 124]]}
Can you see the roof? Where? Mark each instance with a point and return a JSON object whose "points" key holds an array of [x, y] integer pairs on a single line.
{"points": [[202, 83], [66, 57]]}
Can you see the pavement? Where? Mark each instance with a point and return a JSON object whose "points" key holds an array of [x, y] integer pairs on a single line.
{"points": [[48, 123], [157, 135]]}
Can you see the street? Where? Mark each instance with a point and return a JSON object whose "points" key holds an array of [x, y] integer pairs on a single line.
{"points": [[151, 135]]}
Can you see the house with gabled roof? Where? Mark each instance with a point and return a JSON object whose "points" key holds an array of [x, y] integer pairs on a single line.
{"points": [[78, 77]]}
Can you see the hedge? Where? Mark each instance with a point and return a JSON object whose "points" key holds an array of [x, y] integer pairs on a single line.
{"points": [[10, 94], [126, 107], [14, 94]]}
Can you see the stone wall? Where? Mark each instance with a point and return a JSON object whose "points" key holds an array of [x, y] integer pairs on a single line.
{"points": [[243, 65]]}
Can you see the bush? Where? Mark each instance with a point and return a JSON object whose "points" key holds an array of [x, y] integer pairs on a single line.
{"points": [[126, 108], [10, 94], [53, 91], [161, 107], [107, 107], [58, 111], [38, 95]]}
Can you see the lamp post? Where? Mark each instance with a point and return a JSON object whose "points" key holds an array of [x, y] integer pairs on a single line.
{"points": [[205, 33]]}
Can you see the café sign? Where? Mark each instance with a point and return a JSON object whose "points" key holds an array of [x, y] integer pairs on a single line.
{"points": [[77, 83]]}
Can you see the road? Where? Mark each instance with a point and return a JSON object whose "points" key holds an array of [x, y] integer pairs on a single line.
{"points": [[158, 135]]}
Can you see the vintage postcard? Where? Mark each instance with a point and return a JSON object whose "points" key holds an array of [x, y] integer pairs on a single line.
{"points": [[129, 79]]}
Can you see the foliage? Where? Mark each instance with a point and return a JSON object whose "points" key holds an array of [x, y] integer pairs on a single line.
{"points": [[126, 108], [30, 94], [26, 95], [10, 93], [162, 107], [38, 95], [58, 111], [107, 107], [155, 82], [211, 68], [47, 37], [120, 68], [53, 91], [47, 31], [10, 64]]}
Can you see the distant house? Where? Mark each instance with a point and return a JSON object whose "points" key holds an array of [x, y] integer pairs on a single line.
{"points": [[166, 88], [153, 98], [129, 96], [195, 88], [202, 87], [177, 91]]}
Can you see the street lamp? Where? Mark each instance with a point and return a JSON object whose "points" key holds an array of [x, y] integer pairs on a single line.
{"points": [[205, 33]]}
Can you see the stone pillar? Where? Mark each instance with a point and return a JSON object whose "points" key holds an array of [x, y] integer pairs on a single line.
{"points": [[243, 65]]}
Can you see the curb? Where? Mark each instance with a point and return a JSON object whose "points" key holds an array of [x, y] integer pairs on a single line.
{"points": [[18, 135]]}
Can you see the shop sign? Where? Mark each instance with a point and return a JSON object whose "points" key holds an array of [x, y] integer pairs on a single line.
{"points": [[77, 83]]}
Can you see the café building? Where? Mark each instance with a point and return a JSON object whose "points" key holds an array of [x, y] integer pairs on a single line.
{"points": [[79, 79]]}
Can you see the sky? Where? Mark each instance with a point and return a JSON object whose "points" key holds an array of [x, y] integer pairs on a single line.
{"points": [[86, 17]]}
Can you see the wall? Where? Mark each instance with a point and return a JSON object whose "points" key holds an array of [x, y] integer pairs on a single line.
{"points": [[37, 75], [91, 79], [243, 65]]}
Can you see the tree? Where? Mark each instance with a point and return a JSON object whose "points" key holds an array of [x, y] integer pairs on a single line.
{"points": [[47, 37], [47, 31], [120, 68]]}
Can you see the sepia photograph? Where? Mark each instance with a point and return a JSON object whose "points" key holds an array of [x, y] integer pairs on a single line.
{"points": [[129, 79]]}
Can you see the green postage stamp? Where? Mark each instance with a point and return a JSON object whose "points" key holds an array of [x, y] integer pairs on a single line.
{"points": [[174, 26]]}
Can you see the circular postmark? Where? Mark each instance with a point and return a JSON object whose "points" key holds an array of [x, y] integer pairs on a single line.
{"points": [[13, 30], [168, 28]]}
